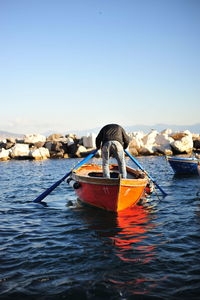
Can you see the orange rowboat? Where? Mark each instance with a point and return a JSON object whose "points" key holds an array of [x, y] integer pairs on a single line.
{"points": [[112, 194]]}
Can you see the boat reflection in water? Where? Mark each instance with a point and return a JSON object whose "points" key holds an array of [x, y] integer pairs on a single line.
{"points": [[133, 225], [129, 232]]}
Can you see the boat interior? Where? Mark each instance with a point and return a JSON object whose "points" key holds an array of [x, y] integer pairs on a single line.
{"points": [[95, 171], [134, 174], [100, 174]]}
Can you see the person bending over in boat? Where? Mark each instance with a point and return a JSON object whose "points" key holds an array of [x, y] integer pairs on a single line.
{"points": [[112, 140]]}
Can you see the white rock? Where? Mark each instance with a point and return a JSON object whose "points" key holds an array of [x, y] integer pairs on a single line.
{"points": [[163, 139], [89, 141], [149, 143], [187, 132], [163, 144], [164, 149], [185, 144], [40, 153], [147, 149], [139, 134], [34, 138], [195, 136], [149, 139], [4, 154], [81, 149], [3, 141], [136, 142], [20, 150], [70, 141], [167, 131]]}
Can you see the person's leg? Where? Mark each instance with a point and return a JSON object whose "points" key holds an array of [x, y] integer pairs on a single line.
{"points": [[118, 152], [105, 159]]}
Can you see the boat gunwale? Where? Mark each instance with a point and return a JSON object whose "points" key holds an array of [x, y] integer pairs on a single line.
{"points": [[184, 160], [128, 182]]}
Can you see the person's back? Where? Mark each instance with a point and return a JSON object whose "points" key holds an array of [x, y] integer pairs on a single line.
{"points": [[113, 139], [112, 132]]}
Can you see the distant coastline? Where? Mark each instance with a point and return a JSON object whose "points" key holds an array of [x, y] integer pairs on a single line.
{"points": [[195, 128]]}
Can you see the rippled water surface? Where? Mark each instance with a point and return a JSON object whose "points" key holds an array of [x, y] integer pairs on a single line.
{"points": [[64, 251]]}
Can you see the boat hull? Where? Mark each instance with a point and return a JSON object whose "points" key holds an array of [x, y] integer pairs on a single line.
{"points": [[114, 194], [181, 165]]}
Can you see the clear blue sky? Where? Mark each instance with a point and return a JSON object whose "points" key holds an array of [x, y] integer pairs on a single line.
{"points": [[78, 64]]}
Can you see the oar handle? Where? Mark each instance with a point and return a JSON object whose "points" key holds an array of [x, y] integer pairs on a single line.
{"points": [[141, 168], [51, 188]]}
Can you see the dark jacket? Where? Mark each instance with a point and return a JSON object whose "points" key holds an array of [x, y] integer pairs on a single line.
{"points": [[112, 132]]}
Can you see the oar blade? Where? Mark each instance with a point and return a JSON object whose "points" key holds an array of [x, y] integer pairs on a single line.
{"points": [[50, 189]]}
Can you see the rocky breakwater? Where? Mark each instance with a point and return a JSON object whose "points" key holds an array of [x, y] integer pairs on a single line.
{"points": [[36, 146], [166, 142]]}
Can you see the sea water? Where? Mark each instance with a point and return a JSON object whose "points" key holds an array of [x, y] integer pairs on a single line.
{"points": [[65, 251]]}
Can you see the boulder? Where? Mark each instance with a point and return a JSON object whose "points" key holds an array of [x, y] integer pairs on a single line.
{"points": [[80, 151], [54, 154], [148, 147], [72, 136], [56, 137], [4, 154], [2, 144], [89, 141], [48, 145], [34, 138], [163, 143], [132, 150], [72, 149], [19, 141], [56, 146], [149, 139], [136, 142], [133, 147], [195, 136], [88, 151], [179, 135], [70, 141], [164, 149], [167, 131], [20, 151], [39, 144], [11, 140], [196, 144], [184, 145], [9, 145], [40, 153], [56, 149], [196, 141], [3, 140]]}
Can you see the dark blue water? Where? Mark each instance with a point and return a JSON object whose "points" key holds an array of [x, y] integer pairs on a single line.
{"points": [[151, 251]]}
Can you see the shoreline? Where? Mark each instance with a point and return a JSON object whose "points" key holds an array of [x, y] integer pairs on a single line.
{"points": [[38, 147]]}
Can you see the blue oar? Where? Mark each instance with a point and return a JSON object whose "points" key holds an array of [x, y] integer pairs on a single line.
{"points": [[51, 188], [141, 168]]}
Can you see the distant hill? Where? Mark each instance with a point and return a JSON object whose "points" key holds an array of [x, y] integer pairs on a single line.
{"points": [[147, 128], [195, 128], [6, 134]]}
